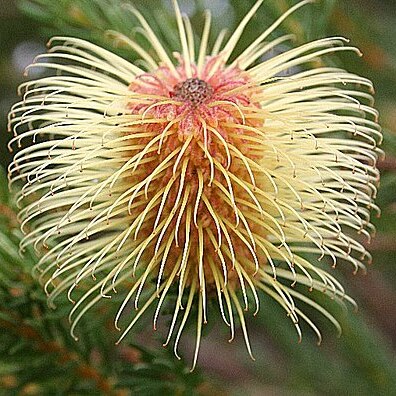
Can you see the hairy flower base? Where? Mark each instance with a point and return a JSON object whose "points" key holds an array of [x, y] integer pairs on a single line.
{"points": [[219, 177]]}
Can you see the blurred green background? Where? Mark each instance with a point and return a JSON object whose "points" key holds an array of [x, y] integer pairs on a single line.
{"points": [[362, 361]]}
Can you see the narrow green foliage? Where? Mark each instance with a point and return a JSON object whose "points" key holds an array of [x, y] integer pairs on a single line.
{"points": [[92, 19]]}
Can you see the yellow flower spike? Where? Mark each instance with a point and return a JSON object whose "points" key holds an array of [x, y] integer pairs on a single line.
{"points": [[215, 177]]}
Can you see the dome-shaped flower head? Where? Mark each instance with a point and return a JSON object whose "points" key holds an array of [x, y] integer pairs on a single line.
{"points": [[202, 175]]}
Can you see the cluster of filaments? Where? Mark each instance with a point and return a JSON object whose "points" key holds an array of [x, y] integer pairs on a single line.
{"points": [[219, 178]]}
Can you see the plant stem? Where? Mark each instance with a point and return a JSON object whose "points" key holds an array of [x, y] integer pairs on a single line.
{"points": [[82, 369]]}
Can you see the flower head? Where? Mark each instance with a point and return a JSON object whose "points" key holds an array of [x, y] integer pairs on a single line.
{"points": [[213, 177]]}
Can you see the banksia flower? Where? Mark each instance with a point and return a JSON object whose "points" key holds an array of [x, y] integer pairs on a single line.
{"points": [[209, 175]]}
